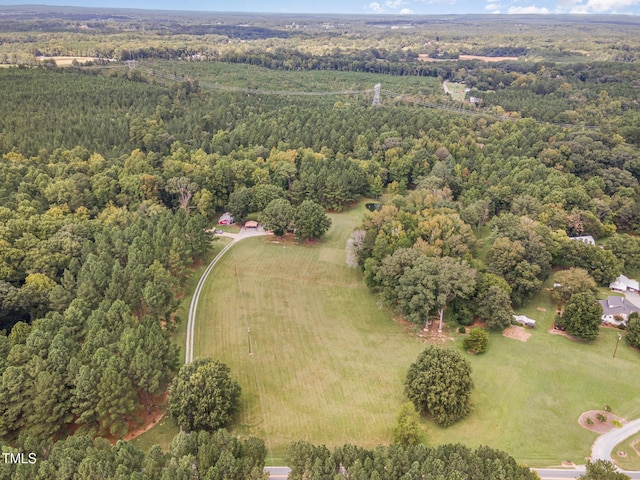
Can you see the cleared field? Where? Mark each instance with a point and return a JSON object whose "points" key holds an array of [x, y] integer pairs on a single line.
{"points": [[327, 363], [528, 396], [456, 90], [426, 58], [250, 76], [67, 61]]}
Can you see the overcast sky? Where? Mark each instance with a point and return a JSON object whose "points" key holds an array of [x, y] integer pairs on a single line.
{"points": [[405, 7]]}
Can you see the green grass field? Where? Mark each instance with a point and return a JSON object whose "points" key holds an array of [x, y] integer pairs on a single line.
{"points": [[250, 76], [456, 90], [632, 460], [328, 362]]}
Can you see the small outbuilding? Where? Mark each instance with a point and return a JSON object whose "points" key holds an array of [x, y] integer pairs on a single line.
{"points": [[586, 239], [525, 321], [226, 219], [251, 224]]}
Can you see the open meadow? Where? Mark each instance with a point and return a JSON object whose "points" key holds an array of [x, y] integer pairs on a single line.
{"points": [[328, 362], [212, 74]]}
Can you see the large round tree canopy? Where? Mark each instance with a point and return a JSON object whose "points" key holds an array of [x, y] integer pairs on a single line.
{"points": [[203, 396], [439, 383]]}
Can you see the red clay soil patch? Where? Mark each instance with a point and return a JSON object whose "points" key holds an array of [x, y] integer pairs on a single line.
{"points": [[598, 426], [141, 422], [553, 331], [541, 309], [517, 333], [432, 335]]}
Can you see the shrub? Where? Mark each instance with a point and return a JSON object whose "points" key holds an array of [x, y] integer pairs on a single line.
{"points": [[616, 423], [607, 408], [477, 341], [601, 417], [462, 329], [589, 421], [407, 431]]}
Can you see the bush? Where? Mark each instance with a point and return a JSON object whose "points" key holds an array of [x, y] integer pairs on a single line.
{"points": [[616, 423], [477, 341], [607, 408], [589, 421], [407, 431], [601, 417], [462, 329]]}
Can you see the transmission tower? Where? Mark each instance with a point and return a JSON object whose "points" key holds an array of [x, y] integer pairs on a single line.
{"points": [[376, 96]]}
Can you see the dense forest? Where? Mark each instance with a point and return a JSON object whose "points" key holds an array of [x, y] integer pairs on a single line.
{"points": [[110, 176]]}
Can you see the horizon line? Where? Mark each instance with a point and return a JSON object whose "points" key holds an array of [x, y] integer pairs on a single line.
{"points": [[319, 14]]}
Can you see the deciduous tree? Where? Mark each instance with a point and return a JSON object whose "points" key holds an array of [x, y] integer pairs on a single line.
{"points": [[430, 284], [602, 470], [311, 221], [203, 396], [277, 216], [633, 330], [582, 316], [572, 281], [439, 383]]}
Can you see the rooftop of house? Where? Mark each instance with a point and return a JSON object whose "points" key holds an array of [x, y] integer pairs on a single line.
{"points": [[618, 306]]}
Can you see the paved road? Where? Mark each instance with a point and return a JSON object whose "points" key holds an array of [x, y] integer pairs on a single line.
{"points": [[605, 443], [559, 473], [282, 473], [564, 474], [278, 472], [191, 322]]}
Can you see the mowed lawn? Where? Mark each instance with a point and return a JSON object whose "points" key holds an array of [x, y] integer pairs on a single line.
{"points": [[327, 363]]}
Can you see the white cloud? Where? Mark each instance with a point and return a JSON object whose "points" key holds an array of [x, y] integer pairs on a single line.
{"points": [[375, 7], [492, 6], [394, 3], [406, 11], [605, 5], [579, 9], [527, 10]]}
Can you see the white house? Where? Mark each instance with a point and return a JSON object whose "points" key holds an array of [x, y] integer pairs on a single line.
{"points": [[616, 310], [587, 239], [624, 284]]}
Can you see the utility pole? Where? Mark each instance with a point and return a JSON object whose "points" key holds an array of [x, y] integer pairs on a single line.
{"points": [[616, 349], [249, 339], [376, 95]]}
